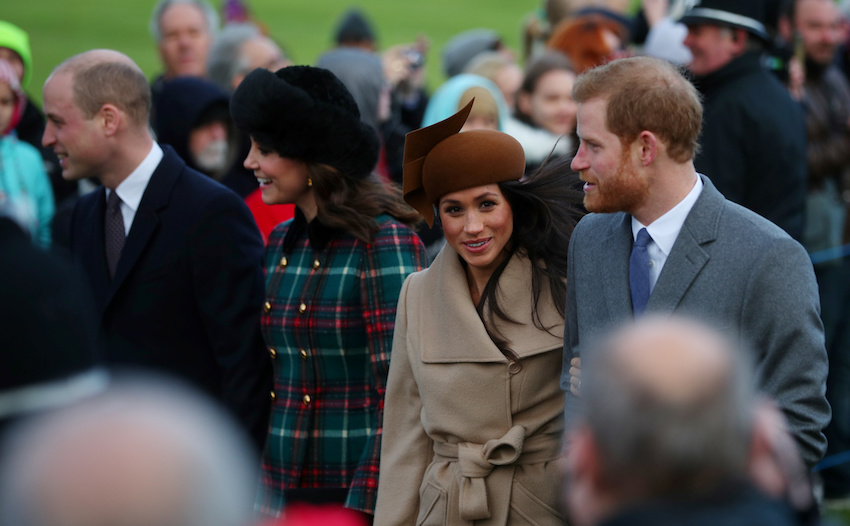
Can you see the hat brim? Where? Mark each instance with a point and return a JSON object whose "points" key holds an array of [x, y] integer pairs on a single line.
{"points": [[702, 15]]}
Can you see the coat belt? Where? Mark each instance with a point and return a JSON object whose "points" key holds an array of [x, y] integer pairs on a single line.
{"points": [[476, 461]]}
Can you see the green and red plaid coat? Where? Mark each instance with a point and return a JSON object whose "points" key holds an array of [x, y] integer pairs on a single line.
{"points": [[328, 323]]}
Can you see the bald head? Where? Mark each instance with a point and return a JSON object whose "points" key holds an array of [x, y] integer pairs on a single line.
{"points": [[670, 405], [140, 455], [106, 76], [675, 361]]}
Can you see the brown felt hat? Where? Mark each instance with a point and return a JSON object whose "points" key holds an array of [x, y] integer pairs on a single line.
{"points": [[439, 160]]}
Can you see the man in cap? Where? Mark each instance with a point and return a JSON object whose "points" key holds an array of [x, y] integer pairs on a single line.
{"points": [[753, 143]]}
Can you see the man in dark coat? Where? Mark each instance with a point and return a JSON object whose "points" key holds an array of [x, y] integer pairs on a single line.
{"points": [[753, 142], [172, 257]]}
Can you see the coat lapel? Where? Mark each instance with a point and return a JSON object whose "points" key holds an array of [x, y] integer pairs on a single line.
{"points": [[462, 336], [688, 255], [155, 197], [616, 248]]}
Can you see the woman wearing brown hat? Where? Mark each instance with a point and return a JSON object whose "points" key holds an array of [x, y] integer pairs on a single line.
{"points": [[474, 414], [333, 275]]}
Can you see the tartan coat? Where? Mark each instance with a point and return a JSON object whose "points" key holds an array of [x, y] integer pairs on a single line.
{"points": [[328, 323], [471, 437]]}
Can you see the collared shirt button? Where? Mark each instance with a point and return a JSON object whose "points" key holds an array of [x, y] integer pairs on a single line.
{"points": [[267, 307], [272, 395], [273, 353], [317, 263], [302, 307], [307, 399], [514, 367], [303, 354], [284, 262]]}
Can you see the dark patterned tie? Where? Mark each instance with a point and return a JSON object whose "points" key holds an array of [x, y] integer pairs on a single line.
{"points": [[639, 272], [113, 231]]}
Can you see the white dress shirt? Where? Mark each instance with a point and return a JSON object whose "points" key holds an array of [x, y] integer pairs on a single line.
{"points": [[133, 187], [664, 232]]}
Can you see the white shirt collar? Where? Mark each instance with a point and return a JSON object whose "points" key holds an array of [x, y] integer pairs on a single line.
{"points": [[666, 228], [133, 187]]}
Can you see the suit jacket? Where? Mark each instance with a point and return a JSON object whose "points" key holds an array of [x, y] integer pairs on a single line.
{"points": [[188, 289], [729, 267]]}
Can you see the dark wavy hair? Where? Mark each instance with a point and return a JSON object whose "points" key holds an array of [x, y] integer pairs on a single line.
{"points": [[546, 206], [352, 205]]}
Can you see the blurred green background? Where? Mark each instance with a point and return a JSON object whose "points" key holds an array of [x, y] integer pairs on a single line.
{"points": [[61, 28]]}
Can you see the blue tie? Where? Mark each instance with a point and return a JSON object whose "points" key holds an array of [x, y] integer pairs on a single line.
{"points": [[639, 272]]}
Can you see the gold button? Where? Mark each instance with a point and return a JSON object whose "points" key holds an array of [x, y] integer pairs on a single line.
{"points": [[302, 308], [272, 395], [303, 354], [317, 263], [273, 353], [307, 399], [514, 367], [284, 262], [267, 307]]}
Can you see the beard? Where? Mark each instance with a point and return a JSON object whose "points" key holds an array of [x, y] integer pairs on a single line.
{"points": [[623, 191]]}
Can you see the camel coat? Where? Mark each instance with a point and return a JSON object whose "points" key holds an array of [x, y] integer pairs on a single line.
{"points": [[469, 436]]}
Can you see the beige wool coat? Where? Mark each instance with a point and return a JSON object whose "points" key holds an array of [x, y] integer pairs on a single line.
{"points": [[470, 437]]}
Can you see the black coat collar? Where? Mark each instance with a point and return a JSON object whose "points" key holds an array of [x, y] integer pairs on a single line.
{"points": [[318, 233]]}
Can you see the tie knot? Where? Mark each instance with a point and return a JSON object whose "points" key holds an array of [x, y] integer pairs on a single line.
{"points": [[643, 238], [113, 202]]}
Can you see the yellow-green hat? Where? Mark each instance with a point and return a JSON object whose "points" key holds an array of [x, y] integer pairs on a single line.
{"points": [[16, 39]]}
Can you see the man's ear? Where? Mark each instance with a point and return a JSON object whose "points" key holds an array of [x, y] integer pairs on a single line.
{"points": [[648, 144], [111, 119], [739, 41], [586, 496], [583, 458], [785, 29]]}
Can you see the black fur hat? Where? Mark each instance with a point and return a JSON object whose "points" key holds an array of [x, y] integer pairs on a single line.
{"points": [[306, 113]]}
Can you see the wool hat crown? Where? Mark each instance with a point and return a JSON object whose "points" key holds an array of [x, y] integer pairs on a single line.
{"points": [[439, 160], [306, 113], [16, 39]]}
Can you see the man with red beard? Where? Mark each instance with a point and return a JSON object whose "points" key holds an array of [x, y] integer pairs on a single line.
{"points": [[661, 238]]}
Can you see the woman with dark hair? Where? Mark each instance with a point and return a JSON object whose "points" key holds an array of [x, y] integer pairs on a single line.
{"points": [[474, 412], [333, 275], [544, 120]]}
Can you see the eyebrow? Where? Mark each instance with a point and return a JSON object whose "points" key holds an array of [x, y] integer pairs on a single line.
{"points": [[476, 198]]}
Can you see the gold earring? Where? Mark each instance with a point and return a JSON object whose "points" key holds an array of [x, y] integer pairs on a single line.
{"points": [[309, 182]]}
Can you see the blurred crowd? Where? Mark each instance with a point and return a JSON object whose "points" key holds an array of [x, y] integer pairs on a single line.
{"points": [[245, 227]]}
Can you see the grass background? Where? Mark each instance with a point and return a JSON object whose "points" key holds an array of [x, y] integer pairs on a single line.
{"points": [[61, 28]]}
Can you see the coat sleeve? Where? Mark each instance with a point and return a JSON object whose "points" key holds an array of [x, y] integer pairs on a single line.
{"points": [[572, 404], [394, 254], [406, 450], [781, 317], [226, 254]]}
